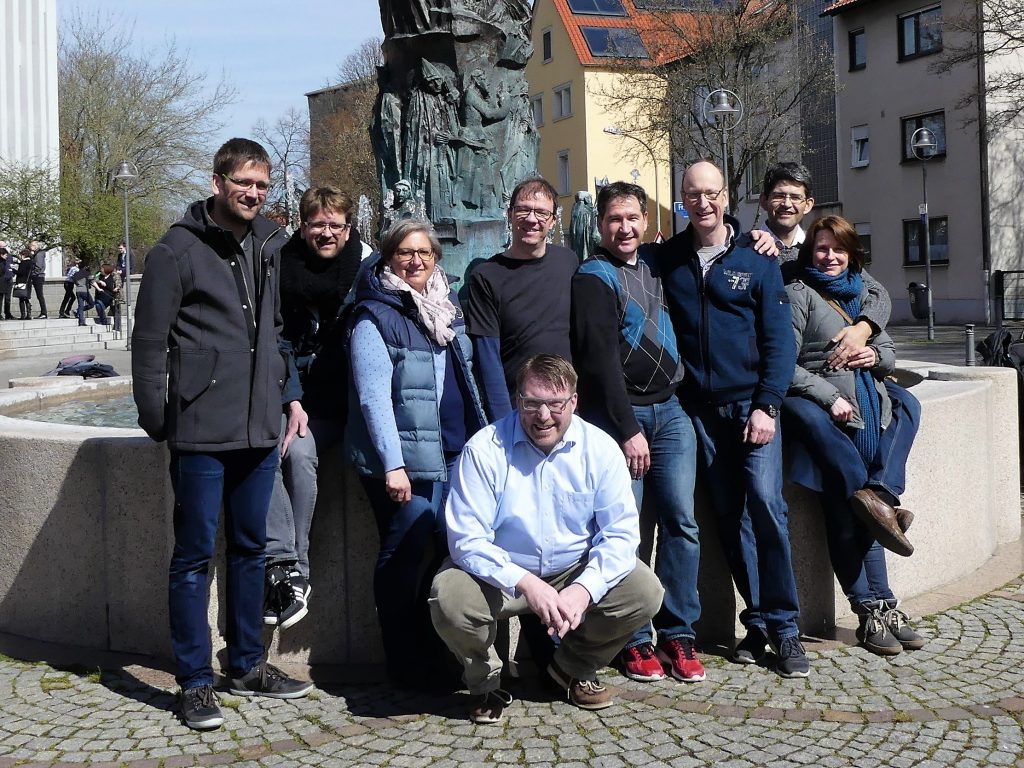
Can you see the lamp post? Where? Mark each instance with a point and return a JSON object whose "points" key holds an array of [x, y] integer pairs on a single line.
{"points": [[923, 145], [723, 105], [616, 131], [125, 176]]}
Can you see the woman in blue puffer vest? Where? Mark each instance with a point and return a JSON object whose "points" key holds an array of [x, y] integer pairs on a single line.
{"points": [[418, 404]]}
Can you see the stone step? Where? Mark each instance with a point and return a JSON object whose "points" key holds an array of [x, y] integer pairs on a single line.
{"points": [[57, 339], [30, 336], [62, 350]]}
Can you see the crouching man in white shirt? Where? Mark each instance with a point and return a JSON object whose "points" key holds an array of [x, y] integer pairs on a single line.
{"points": [[541, 518]]}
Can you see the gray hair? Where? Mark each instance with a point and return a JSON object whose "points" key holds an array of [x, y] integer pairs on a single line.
{"points": [[401, 230]]}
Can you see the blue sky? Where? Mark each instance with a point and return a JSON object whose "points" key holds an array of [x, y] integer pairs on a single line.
{"points": [[271, 52]]}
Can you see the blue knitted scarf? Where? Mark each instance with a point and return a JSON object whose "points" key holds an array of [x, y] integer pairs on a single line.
{"points": [[846, 288]]}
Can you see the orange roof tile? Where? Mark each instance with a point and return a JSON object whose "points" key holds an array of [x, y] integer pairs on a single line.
{"points": [[841, 5]]}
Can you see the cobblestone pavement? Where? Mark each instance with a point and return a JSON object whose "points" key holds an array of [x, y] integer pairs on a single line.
{"points": [[960, 701]]}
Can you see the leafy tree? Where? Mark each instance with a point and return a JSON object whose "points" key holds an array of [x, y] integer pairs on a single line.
{"points": [[153, 110], [760, 50], [29, 203]]}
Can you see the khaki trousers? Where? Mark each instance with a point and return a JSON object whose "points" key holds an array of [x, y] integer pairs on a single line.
{"points": [[466, 611]]}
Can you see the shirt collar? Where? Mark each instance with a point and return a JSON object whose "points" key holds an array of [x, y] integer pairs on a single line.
{"points": [[569, 439], [798, 238]]}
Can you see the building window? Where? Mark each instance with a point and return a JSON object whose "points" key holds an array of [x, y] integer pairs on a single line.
{"points": [[921, 33], [563, 101], [563, 172], [614, 43], [861, 154], [545, 44], [597, 7], [858, 52], [755, 174], [938, 228], [935, 122], [537, 105], [864, 233]]}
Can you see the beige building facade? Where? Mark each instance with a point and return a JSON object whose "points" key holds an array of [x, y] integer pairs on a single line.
{"points": [[566, 79], [885, 56]]}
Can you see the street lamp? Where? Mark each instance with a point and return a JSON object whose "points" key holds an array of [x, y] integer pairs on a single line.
{"points": [[923, 145], [616, 131], [125, 176], [726, 108]]}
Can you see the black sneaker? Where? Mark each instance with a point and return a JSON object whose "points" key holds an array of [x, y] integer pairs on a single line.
{"points": [[751, 649], [267, 680], [199, 708], [898, 624], [294, 596], [873, 631], [792, 660], [274, 585]]}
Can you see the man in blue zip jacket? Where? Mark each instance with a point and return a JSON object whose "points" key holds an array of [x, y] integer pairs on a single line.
{"points": [[732, 320], [209, 371]]}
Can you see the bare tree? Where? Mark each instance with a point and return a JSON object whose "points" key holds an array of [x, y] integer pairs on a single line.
{"points": [[992, 30], [153, 110], [759, 50], [362, 63], [287, 141]]}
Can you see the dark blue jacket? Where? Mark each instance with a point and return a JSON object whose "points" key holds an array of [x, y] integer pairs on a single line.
{"points": [[413, 385], [734, 327]]}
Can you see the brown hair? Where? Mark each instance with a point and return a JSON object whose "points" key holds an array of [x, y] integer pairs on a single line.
{"points": [[554, 371], [327, 198], [401, 230], [846, 237], [235, 154], [532, 187]]}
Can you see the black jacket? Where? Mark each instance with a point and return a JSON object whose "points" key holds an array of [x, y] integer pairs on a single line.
{"points": [[312, 292], [207, 365]]}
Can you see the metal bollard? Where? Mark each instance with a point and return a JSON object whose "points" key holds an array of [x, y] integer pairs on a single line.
{"points": [[969, 342]]}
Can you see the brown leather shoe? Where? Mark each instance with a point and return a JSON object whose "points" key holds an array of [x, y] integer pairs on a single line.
{"points": [[904, 518], [585, 694], [489, 708], [880, 519]]}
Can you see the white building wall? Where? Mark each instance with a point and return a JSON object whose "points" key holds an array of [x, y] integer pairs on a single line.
{"points": [[28, 88]]}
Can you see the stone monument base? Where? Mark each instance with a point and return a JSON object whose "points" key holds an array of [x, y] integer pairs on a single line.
{"points": [[467, 243]]}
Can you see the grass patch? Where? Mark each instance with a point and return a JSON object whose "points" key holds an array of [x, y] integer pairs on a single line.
{"points": [[230, 703], [61, 683]]}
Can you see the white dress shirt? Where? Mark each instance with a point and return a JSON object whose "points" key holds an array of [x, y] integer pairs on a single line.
{"points": [[513, 509]]}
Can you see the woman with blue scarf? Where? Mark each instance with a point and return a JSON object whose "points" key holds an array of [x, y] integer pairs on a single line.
{"points": [[850, 432]]}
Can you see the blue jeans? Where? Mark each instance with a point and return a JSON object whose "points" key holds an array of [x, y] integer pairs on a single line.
{"points": [[823, 447], [85, 302], [413, 544], [857, 559], [745, 483], [295, 491], [241, 480], [104, 302], [673, 446]]}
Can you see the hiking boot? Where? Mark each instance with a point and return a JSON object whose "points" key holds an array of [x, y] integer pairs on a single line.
{"points": [[274, 585], [585, 694], [680, 653], [489, 708], [751, 649], [792, 659], [898, 624], [199, 708], [873, 632], [267, 680], [880, 519], [640, 663], [294, 599]]}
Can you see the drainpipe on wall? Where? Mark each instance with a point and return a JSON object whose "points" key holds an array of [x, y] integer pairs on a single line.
{"points": [[986, 241]]}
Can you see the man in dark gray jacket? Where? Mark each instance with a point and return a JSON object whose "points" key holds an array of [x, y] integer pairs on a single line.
{"points": [[209, 373]]}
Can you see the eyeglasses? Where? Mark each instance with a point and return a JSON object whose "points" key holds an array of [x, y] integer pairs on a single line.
{"points": [[522, 213], [782, 197], [404, 255], [262, 187], [533, 404], [319, 226], [695, 197]]}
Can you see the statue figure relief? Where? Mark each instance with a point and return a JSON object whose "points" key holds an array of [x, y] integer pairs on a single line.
{"points": [[583, 233], [431, 125], [477, 160]]}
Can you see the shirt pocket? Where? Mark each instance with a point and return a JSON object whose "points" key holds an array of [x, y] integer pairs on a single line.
{"points": [[575, 511]]}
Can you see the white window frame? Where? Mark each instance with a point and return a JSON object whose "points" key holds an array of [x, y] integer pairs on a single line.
{"points": [[537, 109], [562, 96], [860, 146], [547, 34], [564, 175]]}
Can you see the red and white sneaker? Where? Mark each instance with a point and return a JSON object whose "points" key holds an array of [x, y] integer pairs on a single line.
{"points": [[680, 654], [640, 663]]}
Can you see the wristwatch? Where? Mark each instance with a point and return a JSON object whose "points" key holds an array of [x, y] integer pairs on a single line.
{"points": [[771, 410]]}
